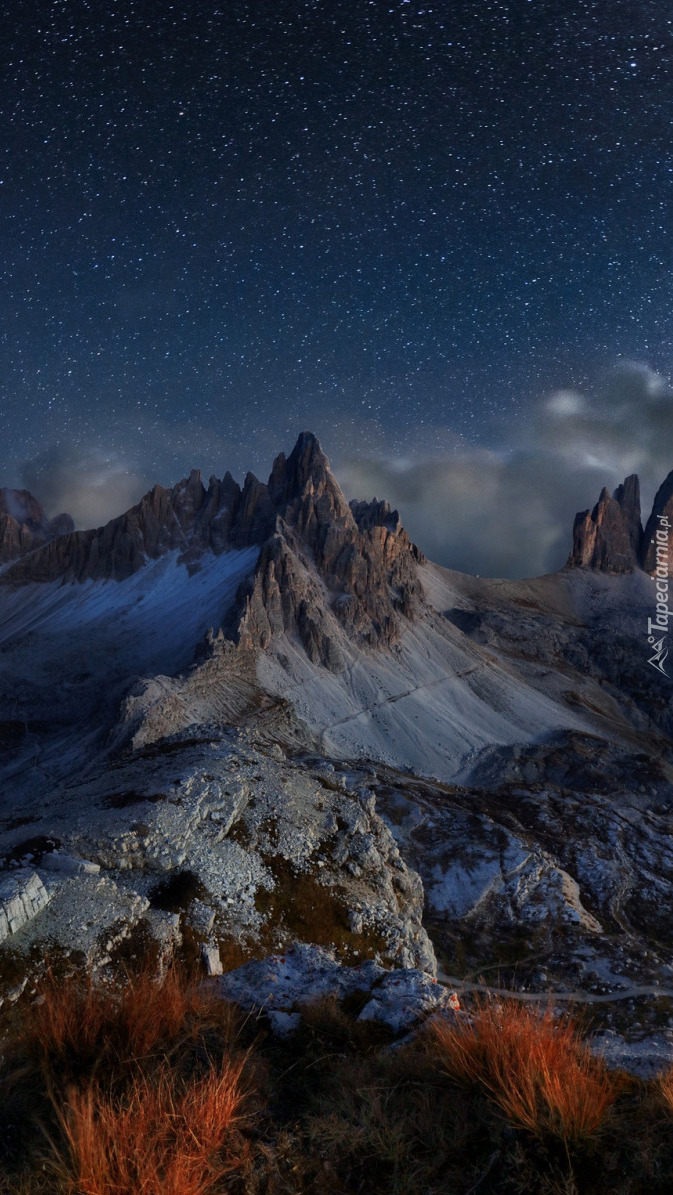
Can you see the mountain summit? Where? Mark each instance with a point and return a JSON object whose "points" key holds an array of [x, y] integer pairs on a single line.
{"points": [[610, 538]]}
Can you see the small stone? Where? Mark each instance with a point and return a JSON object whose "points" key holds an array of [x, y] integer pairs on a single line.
{"points": [[355, 921], [211, 957]]}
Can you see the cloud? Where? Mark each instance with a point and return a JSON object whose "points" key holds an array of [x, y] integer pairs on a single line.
{"points": [[90, 485], [625, 427], [479, 512], [94, 483], [510, 512]]}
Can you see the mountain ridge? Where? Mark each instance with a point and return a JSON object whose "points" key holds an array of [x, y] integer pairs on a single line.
{"points": [[303, 494]]}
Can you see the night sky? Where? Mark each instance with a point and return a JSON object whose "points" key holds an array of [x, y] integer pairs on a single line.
{"points": [[434, 233]]}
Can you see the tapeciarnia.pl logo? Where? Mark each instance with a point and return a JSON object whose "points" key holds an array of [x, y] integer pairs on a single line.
{"points": [[659, 624]]}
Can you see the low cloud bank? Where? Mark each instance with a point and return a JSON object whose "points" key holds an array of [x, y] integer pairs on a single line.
{"points": [[509, 513], [89, 485]]}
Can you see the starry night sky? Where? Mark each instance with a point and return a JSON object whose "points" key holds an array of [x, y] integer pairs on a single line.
{"points": [[402, 225]]}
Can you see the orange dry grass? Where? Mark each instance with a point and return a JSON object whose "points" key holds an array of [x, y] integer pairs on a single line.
{"points": [[161, 1139], [81, 1028], [665, 1084], [537, 1070]]}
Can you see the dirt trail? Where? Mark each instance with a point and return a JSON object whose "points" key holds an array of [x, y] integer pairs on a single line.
{"points": [[576, 997]]}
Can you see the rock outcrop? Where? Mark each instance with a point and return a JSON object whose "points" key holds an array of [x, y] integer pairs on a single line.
{"points": [[609, 537], [24, 525], [229, 835], [22, 897], [282, 985]]}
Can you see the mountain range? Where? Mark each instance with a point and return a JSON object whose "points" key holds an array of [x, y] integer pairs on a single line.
{"points": [[233, 706]]}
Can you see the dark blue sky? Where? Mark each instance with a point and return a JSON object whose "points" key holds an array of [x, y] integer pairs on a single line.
{"points": [[224, 223]]}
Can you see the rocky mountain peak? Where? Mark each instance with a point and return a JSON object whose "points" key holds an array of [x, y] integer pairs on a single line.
{"points": [[306, 495], [24, 524], [306, 464], [609, 537], [329, 566], [187, 497]]}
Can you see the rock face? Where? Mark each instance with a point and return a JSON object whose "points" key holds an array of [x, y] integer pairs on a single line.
{"points": [[321, 559], [609, 537], [365, 561], [24, 525], [660, 520]]}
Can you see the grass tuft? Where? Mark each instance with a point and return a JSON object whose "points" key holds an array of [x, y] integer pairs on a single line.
{"points": [[536, 1069], [83, 1029], [161, 1138], [664, 1085]]}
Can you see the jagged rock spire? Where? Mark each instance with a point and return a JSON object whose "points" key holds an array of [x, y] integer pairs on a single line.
{"points": [[291, 475], [609, 537]]}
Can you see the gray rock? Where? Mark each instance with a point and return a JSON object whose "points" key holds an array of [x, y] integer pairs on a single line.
{"points": [[22, 897], [211, 957], [282, 984], [69, 864], [403, 997], [646, 1057], [283, 1023], [201, 917]]}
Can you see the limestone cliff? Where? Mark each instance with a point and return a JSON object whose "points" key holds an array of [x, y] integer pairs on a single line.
{"points": [[609, 537]]}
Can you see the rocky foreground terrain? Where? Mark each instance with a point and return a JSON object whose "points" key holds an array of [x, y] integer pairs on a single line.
{"points": [[240, 718]]}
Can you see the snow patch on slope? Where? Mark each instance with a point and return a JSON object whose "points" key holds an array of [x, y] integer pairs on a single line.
{"points": [[148, 623]]}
